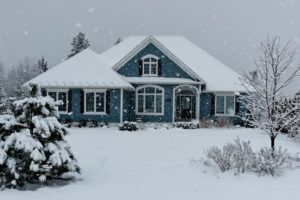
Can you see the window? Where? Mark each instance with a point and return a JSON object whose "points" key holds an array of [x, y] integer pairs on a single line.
{"points": [[225, 105], [150, 65], [60, 95], [94, 101], [149, 100]]}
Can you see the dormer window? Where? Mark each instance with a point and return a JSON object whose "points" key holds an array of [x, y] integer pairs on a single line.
{"points": [[150, 65]]}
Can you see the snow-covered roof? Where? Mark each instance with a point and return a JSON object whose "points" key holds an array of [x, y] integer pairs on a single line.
{"points": [[82, 70], [160, 80], [194, 60]]}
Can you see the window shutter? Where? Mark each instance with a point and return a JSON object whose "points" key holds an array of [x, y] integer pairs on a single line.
{"points": [[107, 102], [159, 67], [237, 105], [212, 104], [70, 101], [81, 101], [44, 92], [140, 67]]}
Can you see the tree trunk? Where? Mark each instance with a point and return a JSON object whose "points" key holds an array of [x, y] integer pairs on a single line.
{"points": [[273, 143]]}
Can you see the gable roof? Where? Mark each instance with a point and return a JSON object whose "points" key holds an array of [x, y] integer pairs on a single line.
{"points": [[83, 70], [195, 61]]}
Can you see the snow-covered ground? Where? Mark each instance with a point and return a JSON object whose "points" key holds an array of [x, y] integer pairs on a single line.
{"points": [[155, 164]]}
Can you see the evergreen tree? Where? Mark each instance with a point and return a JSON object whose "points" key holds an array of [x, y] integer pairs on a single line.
{"points": [[119, 40], [2, 99], [32, 144], [79, 43], [42, 64]]}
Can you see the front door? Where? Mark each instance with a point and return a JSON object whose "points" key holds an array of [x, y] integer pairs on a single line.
{"points": [[185, 107]]}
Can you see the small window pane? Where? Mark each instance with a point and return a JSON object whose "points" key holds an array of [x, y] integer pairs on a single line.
{"points": [[90, 102], [146, 69], [220, 105], [158, 104], [62, 96], [158, 90], [100, 102], [140, 103], [230, 105], [153, 60], [153, 68], [149, 104], [52, 95], [141, 90], [147, 60], [150, 90]]}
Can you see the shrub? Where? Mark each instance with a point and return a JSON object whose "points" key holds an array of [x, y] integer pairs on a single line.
{"points": [[129, 126], [187, 125], [223, 122], [269, 162], [82, 123], [207, 123], [240, 157]]}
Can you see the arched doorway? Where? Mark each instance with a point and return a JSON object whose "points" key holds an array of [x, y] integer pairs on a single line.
{"points": [[185, 103]]}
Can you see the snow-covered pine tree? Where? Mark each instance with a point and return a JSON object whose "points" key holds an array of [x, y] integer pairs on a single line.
{"points": [[79, 43], [32, 144], [275, 71], [2, 99], [2, 91], [42, 64]]}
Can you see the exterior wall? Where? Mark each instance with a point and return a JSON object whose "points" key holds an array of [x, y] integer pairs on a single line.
{"points": [[113, 116], [169, 68], [206, 107]]}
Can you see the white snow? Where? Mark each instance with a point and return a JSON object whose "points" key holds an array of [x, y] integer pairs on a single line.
{"points": [[156, 164], [216, 74], [159, 80], [82, 70]]}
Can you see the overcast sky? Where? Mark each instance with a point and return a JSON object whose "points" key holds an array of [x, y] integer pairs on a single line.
{"points": [[228, 29]]}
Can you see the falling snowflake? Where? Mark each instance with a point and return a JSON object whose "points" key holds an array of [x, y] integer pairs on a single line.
{"points": [[78, 25]]}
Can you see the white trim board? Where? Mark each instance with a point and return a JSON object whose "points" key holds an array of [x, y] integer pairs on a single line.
{"points": [[157, 44]]}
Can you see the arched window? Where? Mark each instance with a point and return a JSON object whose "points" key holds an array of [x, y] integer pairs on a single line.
{"points": [[150, 100], [150, 65]]}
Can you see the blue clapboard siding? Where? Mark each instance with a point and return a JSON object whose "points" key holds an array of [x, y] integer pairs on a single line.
{"points": [[169, 68], [113, 116]]}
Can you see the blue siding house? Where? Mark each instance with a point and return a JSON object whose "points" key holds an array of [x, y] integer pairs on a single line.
{"points": [[147, 78]]}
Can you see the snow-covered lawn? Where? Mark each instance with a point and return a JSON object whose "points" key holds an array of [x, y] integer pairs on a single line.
{"points": [[155, 164]]}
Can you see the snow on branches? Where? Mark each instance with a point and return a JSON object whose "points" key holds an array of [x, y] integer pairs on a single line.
{"points": [[32, 144], [264, 100]]}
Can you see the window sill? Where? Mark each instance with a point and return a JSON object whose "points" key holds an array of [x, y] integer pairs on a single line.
{"points": [[154, 114], [225, 115], [94, 113], [149, 75]]}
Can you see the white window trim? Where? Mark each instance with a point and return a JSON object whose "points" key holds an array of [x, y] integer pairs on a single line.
{"points": [[150, 65], [144, 100], [225, 95], [67, 96], [95, 91]]}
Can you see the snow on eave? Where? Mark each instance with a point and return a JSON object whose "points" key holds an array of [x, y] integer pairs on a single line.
{"points": [[143, 42], [83, 70], [192, 59]]}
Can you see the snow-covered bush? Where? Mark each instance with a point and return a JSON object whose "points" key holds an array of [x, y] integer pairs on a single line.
{"points": [[129, 126], [32, 144], [240, 157], [223, 122], [272, 162], [237, 155], [187, 125], [207, 123]]}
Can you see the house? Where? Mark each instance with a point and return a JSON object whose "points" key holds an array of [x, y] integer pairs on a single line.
{"points": [[148, 78]]}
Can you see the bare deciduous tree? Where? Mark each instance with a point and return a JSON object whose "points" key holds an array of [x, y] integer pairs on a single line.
{"points": [[274, 72]]}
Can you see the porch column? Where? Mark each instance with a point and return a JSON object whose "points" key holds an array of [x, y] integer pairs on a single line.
{"points": [[121, 106], [198, 105]]}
